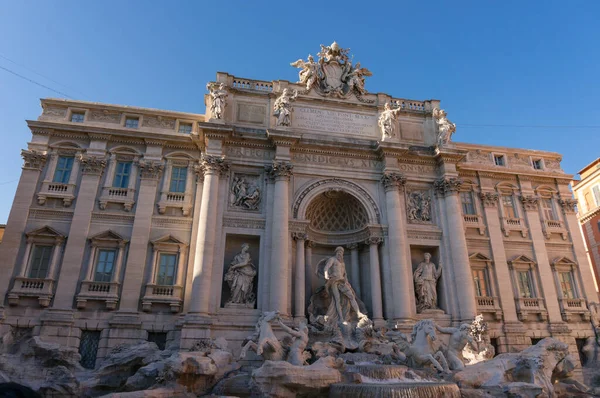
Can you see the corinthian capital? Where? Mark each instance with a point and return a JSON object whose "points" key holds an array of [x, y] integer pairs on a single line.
{"points": [[280, 169], [92, 164], [568, 205], [33, 159], [489, 199], [447, 186], [530, 202], [150, 169], [392, 180], [212, 164]]}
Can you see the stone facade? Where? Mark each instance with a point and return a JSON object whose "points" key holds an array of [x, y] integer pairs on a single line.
{"points": [[126, 220]]}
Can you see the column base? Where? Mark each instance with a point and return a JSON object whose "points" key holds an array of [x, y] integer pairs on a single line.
{"points": [[379, 322]]}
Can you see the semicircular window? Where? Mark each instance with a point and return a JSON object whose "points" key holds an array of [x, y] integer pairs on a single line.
{"points": [[336, 211]]}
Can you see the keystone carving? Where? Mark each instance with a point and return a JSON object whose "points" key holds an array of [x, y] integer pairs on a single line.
{"points": [[33, 159]]}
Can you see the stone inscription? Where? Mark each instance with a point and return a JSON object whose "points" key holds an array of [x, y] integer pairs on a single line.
{"points": [[334, 121], [241, 152], [420, 169], [336, 161], [251, 113]]}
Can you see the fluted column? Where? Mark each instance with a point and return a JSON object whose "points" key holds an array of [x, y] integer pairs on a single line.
{"points": [[92, 168], [212, 167], [375, 277], [299, 293], [400, 268], [448, 191], [281, 172], [308, 270], [354, 268], [34, 161]]}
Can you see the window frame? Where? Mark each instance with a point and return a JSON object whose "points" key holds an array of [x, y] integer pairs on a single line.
{"points": [[595, 191], [178, 180], [159, 265], [537, 163], [513, 206], [30, 267], [185, 124], [97, 261], [523, 264], [501, 156], [77, 113], [468, 193], [128, 116], [65, 171], [121, 174]]}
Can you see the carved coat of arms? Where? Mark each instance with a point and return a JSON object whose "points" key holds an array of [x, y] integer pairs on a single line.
{"points": [[333, 75]]}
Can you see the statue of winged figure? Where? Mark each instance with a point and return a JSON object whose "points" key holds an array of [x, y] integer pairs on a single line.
{"points": [[356, 78], [445, 127], [308, 74]]}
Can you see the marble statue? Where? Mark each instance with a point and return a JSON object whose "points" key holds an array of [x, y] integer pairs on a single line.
{"points": [[459, 338], [309, 73], [240, 278], [297, 354], [218, 99], [420, 352], [356, 78], [263, 341], [386, 121], [426, 276], [419, 207], [445, 127], [283, 107], [244, 195], [339, 288]]}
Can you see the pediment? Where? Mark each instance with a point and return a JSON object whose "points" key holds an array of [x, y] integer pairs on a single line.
{"points": [[479, 257], [45, 232], [168, 240], [563, 261], [522, 259], [108, 236]]}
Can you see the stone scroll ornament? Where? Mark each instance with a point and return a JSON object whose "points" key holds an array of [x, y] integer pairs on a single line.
{"points": [[282, 109], [333, 75], [244, 193], [218, 95], [240, 278], [445, 127]]}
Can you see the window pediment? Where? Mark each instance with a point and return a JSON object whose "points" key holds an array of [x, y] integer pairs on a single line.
{"points": [[480, 257], [108, 238], [563, 261], [45, 232], [521, 259], [168, 242]]}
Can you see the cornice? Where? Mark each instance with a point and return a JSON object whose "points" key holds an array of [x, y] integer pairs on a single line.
{"points": [[497, 173], [589, 215]]}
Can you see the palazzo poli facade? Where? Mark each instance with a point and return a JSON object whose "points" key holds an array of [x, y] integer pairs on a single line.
{"points": [[131, 223]]}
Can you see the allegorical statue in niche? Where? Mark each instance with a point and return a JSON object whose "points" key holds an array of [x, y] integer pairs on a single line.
{"points": [[309, 72], [240, 278], [339, 288], [426, 276], [283, 107], [386, 121], [218, 97], [244, 195], [445, 127]]}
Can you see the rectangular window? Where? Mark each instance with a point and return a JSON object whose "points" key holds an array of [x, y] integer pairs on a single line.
{"points": [[63, 169], [537, 164], [122, 172], [166, 269], [508, 204], [499, 160], [178, 177], [105, 265], [132, 122], [548, 209], [480, 280], [185, 128], [40, 261], [88, 348], [467, 203], [566, 284], [77, 117], [525, 286], [596, 191]]}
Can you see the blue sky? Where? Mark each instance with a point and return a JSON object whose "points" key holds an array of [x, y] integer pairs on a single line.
{"points": [[505, 64]]}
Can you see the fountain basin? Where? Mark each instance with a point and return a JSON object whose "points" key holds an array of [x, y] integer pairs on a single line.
{"points": [[395, 390]]}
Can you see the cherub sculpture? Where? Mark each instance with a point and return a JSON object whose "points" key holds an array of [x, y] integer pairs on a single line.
{"points": [[308, 74]]}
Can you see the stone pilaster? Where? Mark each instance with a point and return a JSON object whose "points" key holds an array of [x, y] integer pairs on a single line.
{"points": [[213, 167], [354, 268], [17, 219], [375, 278], [281, 172], [400, 268], [447, 190], [150, 172], [299, 293], [91, 168], [198, 170], [308, 269]]}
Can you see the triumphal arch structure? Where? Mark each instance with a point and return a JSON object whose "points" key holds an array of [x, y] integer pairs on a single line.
{"points": [[134, 223]]}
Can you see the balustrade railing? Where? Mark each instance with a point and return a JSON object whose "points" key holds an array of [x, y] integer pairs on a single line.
{"points": [[408, 105], [118, 192], [175, 197], [58, 188], [248, 84], [486, 302]]}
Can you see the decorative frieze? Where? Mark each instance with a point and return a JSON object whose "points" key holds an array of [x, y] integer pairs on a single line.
{"points": [[92, 164], [211, 164], [105, 116], [447, 186], [568, 205], [489, 199], [150, 169], [280, 169], [33, 160], [529, 202], [393, 180], [418, 207], [244, 223], [51, 214], [54, 111], [160, 122]]}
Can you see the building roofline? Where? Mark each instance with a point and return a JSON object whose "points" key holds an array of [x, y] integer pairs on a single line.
{"points": [[507, 149], [588, 166]]}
